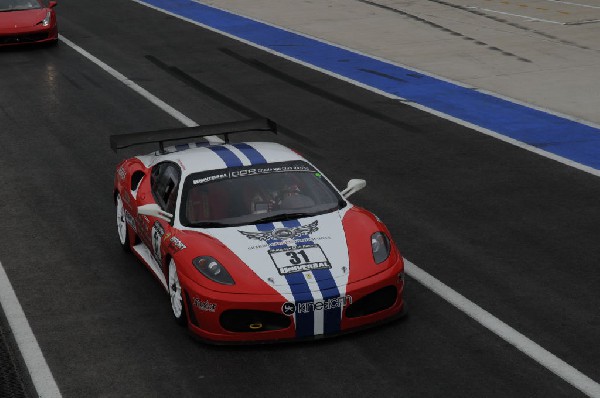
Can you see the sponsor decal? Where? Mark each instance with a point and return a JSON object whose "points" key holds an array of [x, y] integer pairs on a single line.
{"points": [[245, 172], [121, 173], [290, 309], [258, 247], [175, 244], [126, 199], [129, 219], [292, 242], [210, 178], [300, 259], [144, 230], [204, 305], [266, 170], [283, 233], [157, 233]]}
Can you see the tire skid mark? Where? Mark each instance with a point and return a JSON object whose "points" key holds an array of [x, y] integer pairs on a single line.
{"points": [[225, 100], [444, 29], [323, 93], [512, 24]]}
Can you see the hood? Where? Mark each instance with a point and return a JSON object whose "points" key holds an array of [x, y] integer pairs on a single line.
{"points": [[22, 19], [308, 255]]}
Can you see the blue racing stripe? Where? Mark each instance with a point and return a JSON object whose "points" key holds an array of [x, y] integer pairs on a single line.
{"points": [[230, 158], [327, 286], [251, 153], [560, 136], [305, 321]]}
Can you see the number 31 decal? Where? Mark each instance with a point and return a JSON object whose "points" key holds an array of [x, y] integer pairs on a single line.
{"points": [[295, 259]]}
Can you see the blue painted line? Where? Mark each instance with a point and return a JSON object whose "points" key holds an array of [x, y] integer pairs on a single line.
{"points": [[327, 286], [230, 158], [305, 321], [251, 153], [574, 141]]}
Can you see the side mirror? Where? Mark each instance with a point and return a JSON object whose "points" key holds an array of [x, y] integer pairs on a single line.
{"points": [[354, 186], [154, 210], [52, 4]]}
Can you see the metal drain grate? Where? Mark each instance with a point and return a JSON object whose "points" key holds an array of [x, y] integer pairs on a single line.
{"points": [[11, 384]]}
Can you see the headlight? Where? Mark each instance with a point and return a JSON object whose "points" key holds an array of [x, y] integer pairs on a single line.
{"points": [[213, 270], [381, 247], [45, 21]]}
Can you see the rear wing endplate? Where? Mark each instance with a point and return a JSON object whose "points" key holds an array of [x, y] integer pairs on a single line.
{"points": [[120, 141]]}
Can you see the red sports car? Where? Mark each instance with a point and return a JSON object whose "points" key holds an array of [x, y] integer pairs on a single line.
{"points": [[251, 241], [27, 21]]}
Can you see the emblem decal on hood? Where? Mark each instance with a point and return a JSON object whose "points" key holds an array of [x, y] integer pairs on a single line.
{"points": [[283, 233]]}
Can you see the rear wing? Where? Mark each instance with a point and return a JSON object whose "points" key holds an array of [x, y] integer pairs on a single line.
{"points": [[121, 141]]}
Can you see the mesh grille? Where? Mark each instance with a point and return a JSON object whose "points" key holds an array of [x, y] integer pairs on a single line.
{"points": [[24, 38]]}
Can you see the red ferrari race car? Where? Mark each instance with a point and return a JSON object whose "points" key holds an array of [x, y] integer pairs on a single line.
{"points": [[251, 241], [27, 21]]}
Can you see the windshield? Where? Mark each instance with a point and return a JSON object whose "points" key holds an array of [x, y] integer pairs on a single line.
{"points": [[256, 194], [18, 5]]}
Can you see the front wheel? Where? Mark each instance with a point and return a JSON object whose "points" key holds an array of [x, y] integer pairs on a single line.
{"points": [[122, 229], [176, 295]]}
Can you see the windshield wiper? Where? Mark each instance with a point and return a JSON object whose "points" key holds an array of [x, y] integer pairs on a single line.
{"points": [[282, 217]]}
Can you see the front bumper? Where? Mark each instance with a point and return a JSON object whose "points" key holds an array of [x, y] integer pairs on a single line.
{"points": [[28, 36], [225, 318]]}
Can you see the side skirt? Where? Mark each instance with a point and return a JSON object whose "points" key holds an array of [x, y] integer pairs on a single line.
{"points": [[142, 252]]}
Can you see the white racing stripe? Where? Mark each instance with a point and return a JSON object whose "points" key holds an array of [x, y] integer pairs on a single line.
{"points": [[40, 373], [501, 329], [505, 332]]}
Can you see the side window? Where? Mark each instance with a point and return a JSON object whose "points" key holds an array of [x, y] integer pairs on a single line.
{"points": [[165, 183], [136, 178]]}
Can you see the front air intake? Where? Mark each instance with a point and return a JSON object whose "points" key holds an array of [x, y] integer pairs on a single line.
{"points": [[379, 300], [253, 321]]}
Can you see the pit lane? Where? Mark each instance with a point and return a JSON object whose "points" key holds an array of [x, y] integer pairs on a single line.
{"points": [[99, 316]]}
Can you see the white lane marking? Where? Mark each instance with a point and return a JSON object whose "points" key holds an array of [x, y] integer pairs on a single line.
{"points": [[512, 141], [519, 341], [40, 373], [515, 15], [573, 4], [137, 88], [545, 358]]}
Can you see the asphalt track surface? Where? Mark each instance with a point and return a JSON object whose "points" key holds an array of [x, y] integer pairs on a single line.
{"points": [[514, 232]]}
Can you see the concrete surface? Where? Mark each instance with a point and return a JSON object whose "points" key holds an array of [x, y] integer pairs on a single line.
{"points": [[545, 52]]}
